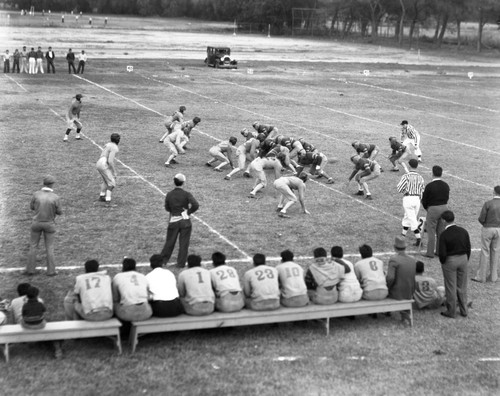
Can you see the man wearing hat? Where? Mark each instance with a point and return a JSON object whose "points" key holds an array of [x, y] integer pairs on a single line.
{"points": [[180, 204], [73, 118], [401, 272], [46, 206], [410, 135]]}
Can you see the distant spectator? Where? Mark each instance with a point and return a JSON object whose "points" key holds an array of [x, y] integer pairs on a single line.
{"points": [[6, 62], [130, 293], [24, 60], [349, 287], [39, 61], [195, 288], [226, 285], [91, 299], [370, 273], [427, 293], [261, 287], [18, 302], [50, 56], [33, 312], [322, 278], [162, 289], [82, 59], [70, 58], [291, 279], [32, 60]]}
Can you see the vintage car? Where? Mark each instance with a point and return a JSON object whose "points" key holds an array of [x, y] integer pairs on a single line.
{"points": [[219, 57]]}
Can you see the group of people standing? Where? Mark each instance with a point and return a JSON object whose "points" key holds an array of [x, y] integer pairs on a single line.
{"points": [[31, 62]]}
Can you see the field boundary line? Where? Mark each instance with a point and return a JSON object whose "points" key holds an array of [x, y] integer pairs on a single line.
{"points": [[154, 186], [15, 82], [207, 263]]}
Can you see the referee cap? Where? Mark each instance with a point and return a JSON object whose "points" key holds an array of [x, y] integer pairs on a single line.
{"points": [[180, 177]]}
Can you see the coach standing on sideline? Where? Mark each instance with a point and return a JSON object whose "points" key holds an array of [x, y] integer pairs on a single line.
{"points": [[454, 254], [180, 204], [411, 186], [47, 206], [434, 201], [490, 239]]}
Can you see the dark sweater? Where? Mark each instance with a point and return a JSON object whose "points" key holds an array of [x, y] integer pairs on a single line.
{"points": [[454, 241], [436, 193], [178, 200], [33, 312]]}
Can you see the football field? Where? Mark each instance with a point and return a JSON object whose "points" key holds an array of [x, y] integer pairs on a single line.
{"points": [[353, 92]]}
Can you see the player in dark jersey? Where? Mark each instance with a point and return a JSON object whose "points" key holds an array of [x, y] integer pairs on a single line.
{"points": [[308, 147], [364, 170], [317, 161], [399, 154], [366, 150], [270, 131]]}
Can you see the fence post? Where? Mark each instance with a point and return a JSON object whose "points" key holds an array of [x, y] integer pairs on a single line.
{"points": [[269, 30]]}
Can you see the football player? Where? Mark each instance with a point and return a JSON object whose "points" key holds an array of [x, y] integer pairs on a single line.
{"points": [[256, 169], [399, 154], [176, 117], [292, 144], [308, 147], [174, 144], [364, 170], [366, 150], [317, 161], [269, 131], [245, 152], [224, 151], [285, 186], [187, 127]]}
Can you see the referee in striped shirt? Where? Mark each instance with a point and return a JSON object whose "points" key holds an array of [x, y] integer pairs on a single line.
{"points": [[410, 134], [411, 186]]}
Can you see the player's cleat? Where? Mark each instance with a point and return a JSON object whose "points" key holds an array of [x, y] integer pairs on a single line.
{"points": [[360, 193], [278, 209], [161, 141], [251, 195], [78, 138], [65, 140], [330, 181], [395, 170], [167, 165], [208, 164], [283, 215], [227, 177], [102, 198], [419, 241], [246, 174], [217, 170], [173, 161], [319, 176], [369, 197]]}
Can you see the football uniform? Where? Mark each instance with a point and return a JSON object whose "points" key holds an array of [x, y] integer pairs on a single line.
{"points": [[106, 166], [261, 288], [409, 135], [195, 285], [73, 115], [222, 151], [427, 293], [367, 150], [349, 287], [370, 273], [130, 296], [176, 118], [95, 294], [308, 147], [322, 278], [292, 285], [317, 162], [266, 130], [228, 291], [364, 171]]}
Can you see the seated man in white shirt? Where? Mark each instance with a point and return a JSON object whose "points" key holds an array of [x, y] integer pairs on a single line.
{"points": [[226, 284], [130, 293], [162, 288], [195, 288], [91, 299]]}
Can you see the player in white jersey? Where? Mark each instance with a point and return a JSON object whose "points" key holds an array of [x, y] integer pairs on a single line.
{"points": [[291, 280], [107, 168], [256, 169], [246, 152], [223, 152], [260, 285], [170, 121], [130, 293], [370, 273], [91, 299], [285, 186], [187, 127], [226, 284], [174, 143], [195, 288], [410, 135], [73, 118]]}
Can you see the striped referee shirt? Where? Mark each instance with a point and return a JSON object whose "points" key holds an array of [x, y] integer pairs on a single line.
{"points": [[411, 133], [411, 183]]}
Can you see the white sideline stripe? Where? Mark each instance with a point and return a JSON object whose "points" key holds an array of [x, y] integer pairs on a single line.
{"points": [[414, 94], [355, 116], [207, 263], [211, 229], [14, 81]]}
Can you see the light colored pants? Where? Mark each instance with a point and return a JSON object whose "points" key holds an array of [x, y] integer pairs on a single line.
{"points": [[350, 294], [39, 66], [32, 64], [231, 302], [411, 206], [262, 305], [109, 181], [490, 254], [377, 294], [198, 309], [130, 313], [295, 301]]}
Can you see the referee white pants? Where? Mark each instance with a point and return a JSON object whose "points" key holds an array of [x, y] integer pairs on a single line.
{"points": [[411, 206]]}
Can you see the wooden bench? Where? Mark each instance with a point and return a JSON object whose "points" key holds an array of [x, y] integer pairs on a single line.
{"points": [[64, 330], [247, 317]]}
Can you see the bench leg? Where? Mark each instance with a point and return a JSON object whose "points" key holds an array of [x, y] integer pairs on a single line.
{"points": [[119, 342], [133, 338], [5, 351], [327, 325]]}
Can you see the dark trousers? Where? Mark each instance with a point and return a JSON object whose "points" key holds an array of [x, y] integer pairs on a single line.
{"points": [[81, 66], [435, 227], [15, 66], [181, 229], [167, 309], [71, 65], [455, 284], [6, 66], [50, 64]]}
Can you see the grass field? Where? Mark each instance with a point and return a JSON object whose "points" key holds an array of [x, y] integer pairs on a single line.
{"points": [[329, 104]]}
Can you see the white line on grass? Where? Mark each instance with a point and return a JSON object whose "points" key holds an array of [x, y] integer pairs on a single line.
{"points": [[14, 81], [208, 263], [211, 229], [414, 94]]}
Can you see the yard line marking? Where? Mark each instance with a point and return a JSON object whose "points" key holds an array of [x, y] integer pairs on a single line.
{"points": [[207, 263], [211, 229], [354, 116], [14, 81], [414, 94]]}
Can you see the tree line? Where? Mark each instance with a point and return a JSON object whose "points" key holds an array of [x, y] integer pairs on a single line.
{"points": [[342, 14]]}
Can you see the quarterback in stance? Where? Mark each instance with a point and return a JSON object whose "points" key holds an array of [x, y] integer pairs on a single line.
{"points": [[285, 186], [107, 168], [223, 152], [73, 118]]}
